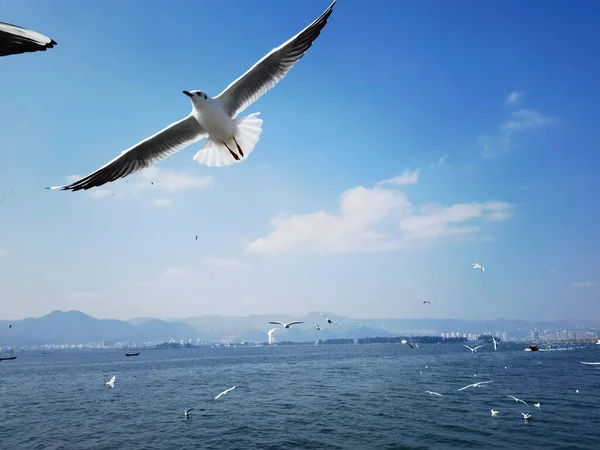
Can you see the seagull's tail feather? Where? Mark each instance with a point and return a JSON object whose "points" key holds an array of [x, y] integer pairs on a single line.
{"points": [[218, 154]]}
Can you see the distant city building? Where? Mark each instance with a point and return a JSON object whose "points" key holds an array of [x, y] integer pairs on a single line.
{"points": [[504, 336]]}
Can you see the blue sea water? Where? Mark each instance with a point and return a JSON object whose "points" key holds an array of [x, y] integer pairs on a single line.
{"points": [[303, 397]]}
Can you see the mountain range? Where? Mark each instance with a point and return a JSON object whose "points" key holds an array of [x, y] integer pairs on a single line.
{"points": [[75, 327]]}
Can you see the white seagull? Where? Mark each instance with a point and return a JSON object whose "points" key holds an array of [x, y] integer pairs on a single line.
{"points": [[537, 405], [433, 393], [224, 392], [285, 325], [590, 363], [526, 416], [317, 326], [230, 139], [404, 341], [187, 412], [495, 344], [478, 266], [111, 382], [15, 40], [473, 350], [331, 321], [518, 400], [494, 413], [475, 385]]}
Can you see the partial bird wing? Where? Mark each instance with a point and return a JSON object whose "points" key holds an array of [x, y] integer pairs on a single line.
{"points": [[464, 345], [482, 269], [163, 144], [479, 346], [590, 363], [484, 382], [294, 323], [433, 393], [409, 344], [15, 40], [271, 69], [463, 388], [274, 322], [230, 389]]}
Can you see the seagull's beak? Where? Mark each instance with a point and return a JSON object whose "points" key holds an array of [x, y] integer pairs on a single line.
{"points": [[188, 94]]}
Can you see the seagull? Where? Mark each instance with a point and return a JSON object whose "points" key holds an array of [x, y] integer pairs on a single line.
{"points": [[111, 382], [10, 326], [224, 392], [526, 416], [590, 363], [475, 385], [518, 400], [427, 301], [537, 405], [495, 344], [317, 326], [473, 350], [285, 325], [404, 341], [433, 393], [478, 266], [330, 321], [187, 412], [15, 40], [214, 118], [494, 413]]}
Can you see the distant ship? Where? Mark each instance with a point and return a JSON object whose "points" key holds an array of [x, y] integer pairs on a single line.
{"points": [[532, 348], [8, 358], [132, 354]]}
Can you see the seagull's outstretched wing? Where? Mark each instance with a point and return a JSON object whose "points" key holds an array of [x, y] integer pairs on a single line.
{"points": [[274, 322], [464, 345], [463, 388], [433, 393], [409, 344], [163, 144], [271, 69], [294, 323], [15, 40], [479, 346]]}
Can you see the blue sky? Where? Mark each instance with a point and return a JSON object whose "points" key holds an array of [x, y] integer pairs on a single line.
{"points": [[413, 139]]}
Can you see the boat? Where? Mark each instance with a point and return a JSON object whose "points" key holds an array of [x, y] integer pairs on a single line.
{"points": [[132, 354], [8, 358], [532, 348], [598, 342]]}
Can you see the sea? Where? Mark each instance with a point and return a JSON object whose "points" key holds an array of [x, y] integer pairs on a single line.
{"points": [[302, 397]]}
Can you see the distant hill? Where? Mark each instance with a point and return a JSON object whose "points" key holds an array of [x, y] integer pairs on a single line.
{"points": [[75, 327]]}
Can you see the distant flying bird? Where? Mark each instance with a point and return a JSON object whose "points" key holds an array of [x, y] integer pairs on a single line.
{"points": [[494, 413], [317, 326], [224, 392], [427, 301], [330, 321], [475, 385], [196, 237], [473, 350], [590, 363], [495, 344], [433, 393], [214, 118], [15, 40], [537, 405], [10, 326], [526, 416], [518, 400], [285, 325], [404, 341], [187, 412], [478, 266], [111, 382]]}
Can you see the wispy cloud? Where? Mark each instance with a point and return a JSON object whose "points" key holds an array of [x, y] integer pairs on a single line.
{"points": [[499, 142], [407, 177], [162, 202], [583, 284], [84, 296], [375, 219], [514, 97], [151, 179], [441, 161], [225, 263]]}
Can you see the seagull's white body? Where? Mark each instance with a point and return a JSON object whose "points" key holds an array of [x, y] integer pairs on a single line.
{"points": [[495, 344], [473, 350], [537, 405], [433, 393], [224, 392], [475, 385], [270, 335], [518, 400], [230, 139], [526, 416], [111, 382], [478, 266], [15, 40], [494, 413], [187, 412], [285, 325], [404, 341]]}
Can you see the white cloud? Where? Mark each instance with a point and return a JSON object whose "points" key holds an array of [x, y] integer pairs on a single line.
{"points": [[375, 219], [162, 202], [441, 161], [407, 177], [225, 263], [513, 97], [583, 284], [84, 296], [527, 118]]}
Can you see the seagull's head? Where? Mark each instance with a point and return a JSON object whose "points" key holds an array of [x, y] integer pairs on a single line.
{"points": [[197, 97]]}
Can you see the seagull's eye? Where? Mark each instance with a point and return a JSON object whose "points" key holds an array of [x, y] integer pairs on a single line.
{"points": [[205, 97], [199, 94]]}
